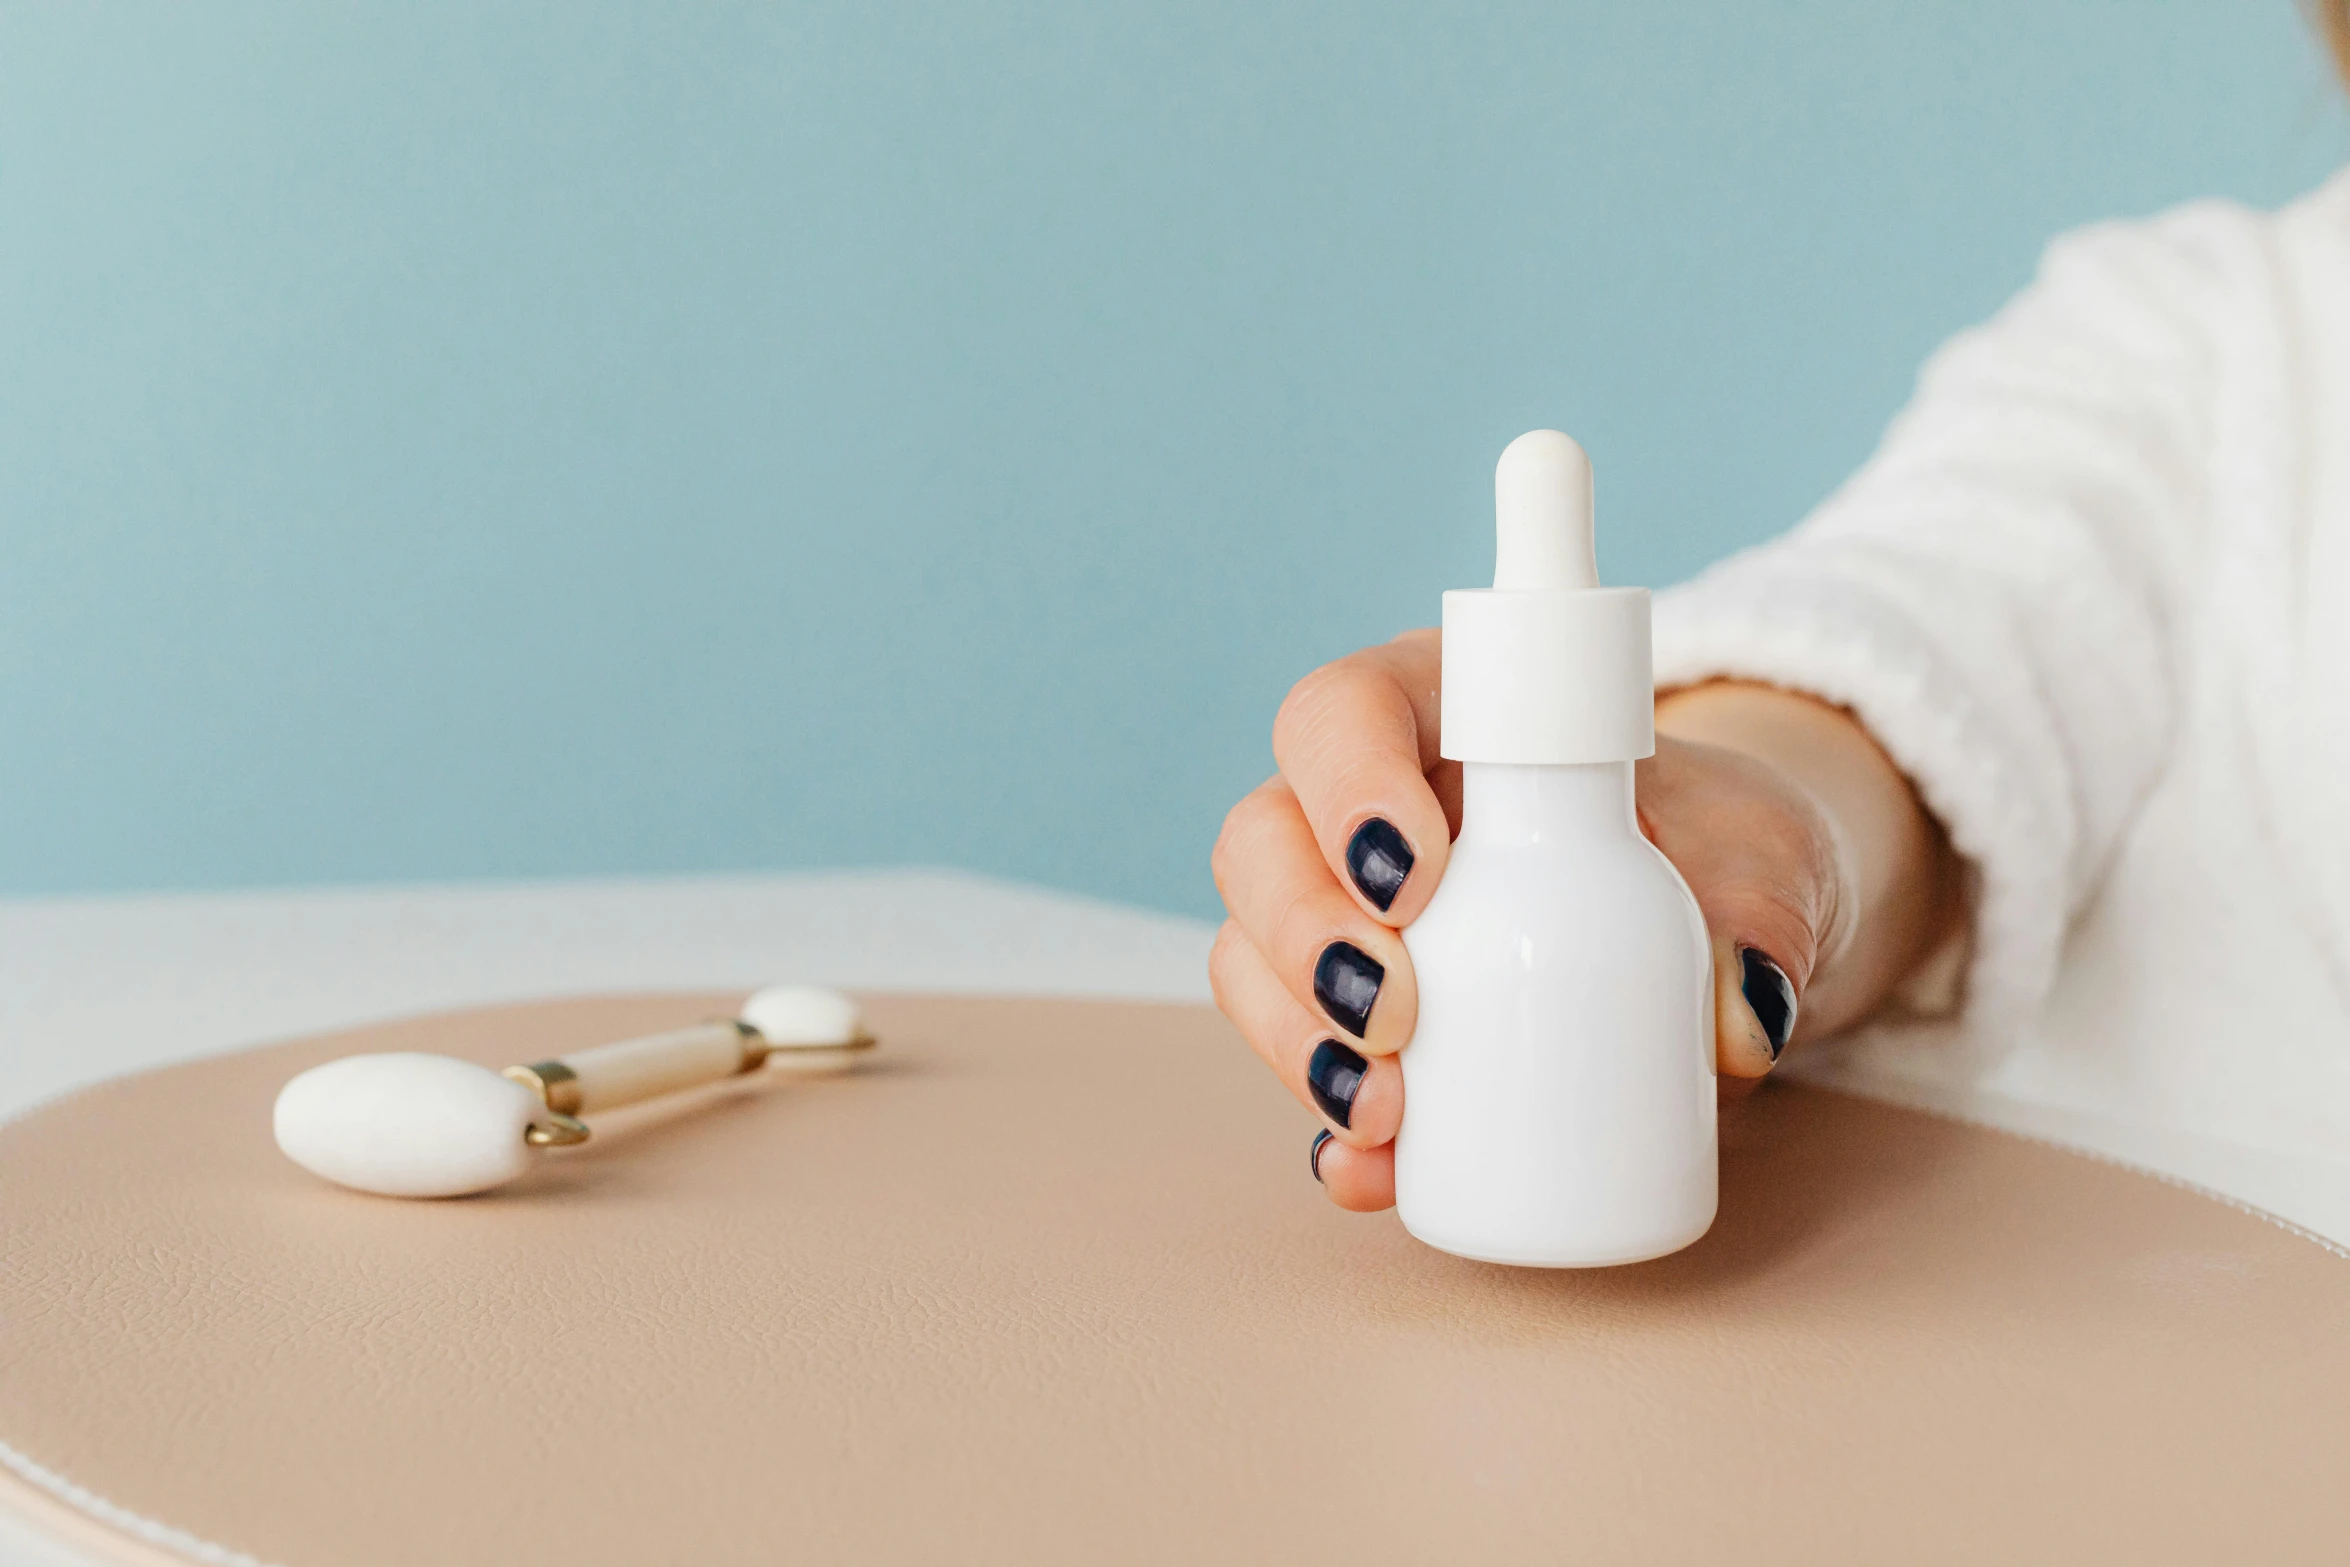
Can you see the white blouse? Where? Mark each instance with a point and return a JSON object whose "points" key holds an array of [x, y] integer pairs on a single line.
{"points": [[2093, 594]]}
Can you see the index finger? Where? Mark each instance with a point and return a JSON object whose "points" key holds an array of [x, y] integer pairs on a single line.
{"points": [[1356, 741]]}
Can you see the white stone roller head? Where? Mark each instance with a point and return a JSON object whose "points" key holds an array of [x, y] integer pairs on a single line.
{"points": [[804, 1017], [406, 1124]]}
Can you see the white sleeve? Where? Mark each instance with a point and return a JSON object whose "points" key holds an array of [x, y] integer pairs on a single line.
{"points": [[1994, 593]]}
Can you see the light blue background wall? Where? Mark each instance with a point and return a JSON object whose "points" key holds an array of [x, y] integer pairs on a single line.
{"points": [[449, 441]]}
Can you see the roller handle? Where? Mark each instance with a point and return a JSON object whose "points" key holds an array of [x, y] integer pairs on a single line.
{"points": [[803, 1027], [634, 1070]]}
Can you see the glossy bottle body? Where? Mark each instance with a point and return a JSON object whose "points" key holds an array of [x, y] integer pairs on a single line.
{"points": [[1559, 1086]]}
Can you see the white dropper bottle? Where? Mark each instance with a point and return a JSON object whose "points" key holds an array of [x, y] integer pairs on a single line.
{"points": [[1558, 1087]]}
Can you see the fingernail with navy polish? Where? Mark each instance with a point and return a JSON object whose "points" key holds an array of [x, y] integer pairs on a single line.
{"points": [[1335, 1074], [1346, 982], [1314, 1159], [1378, 859], [1773, 999]]}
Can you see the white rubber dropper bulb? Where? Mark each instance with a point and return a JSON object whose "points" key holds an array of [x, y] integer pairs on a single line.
{"points": [[1542, 516]]}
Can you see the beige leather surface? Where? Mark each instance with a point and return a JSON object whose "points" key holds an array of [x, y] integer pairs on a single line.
{"points": [[1048, 1282]]}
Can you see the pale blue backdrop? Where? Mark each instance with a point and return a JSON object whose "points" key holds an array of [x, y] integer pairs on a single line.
{"points": [[485, 440]]}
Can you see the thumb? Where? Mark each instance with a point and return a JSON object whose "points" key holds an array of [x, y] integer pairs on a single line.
{"points": [[1761, 861], [1754, 1008]]}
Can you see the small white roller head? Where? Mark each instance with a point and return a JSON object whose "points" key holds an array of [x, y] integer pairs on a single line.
{"points": [[1542, 515], [406, 1124], [804, 1017]]}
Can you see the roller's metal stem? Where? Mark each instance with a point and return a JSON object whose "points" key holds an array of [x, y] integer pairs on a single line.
{"points": [[633, 1070]]}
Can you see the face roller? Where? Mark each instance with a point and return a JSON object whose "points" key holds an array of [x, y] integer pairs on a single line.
{"points": [[407, 1124]]}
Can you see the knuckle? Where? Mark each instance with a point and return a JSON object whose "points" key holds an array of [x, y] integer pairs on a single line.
{"points": [[1757, 914], [1220, 962], [1230, 857], [1363, 778], [1312, 701], [1220, 860], [1791, 838], [1300, 925]]}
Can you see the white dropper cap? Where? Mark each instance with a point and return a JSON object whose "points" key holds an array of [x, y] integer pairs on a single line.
{"points": [[1546, 666]]}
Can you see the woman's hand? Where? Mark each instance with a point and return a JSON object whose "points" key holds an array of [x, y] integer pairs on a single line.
{"points": [[1821, 878]]}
